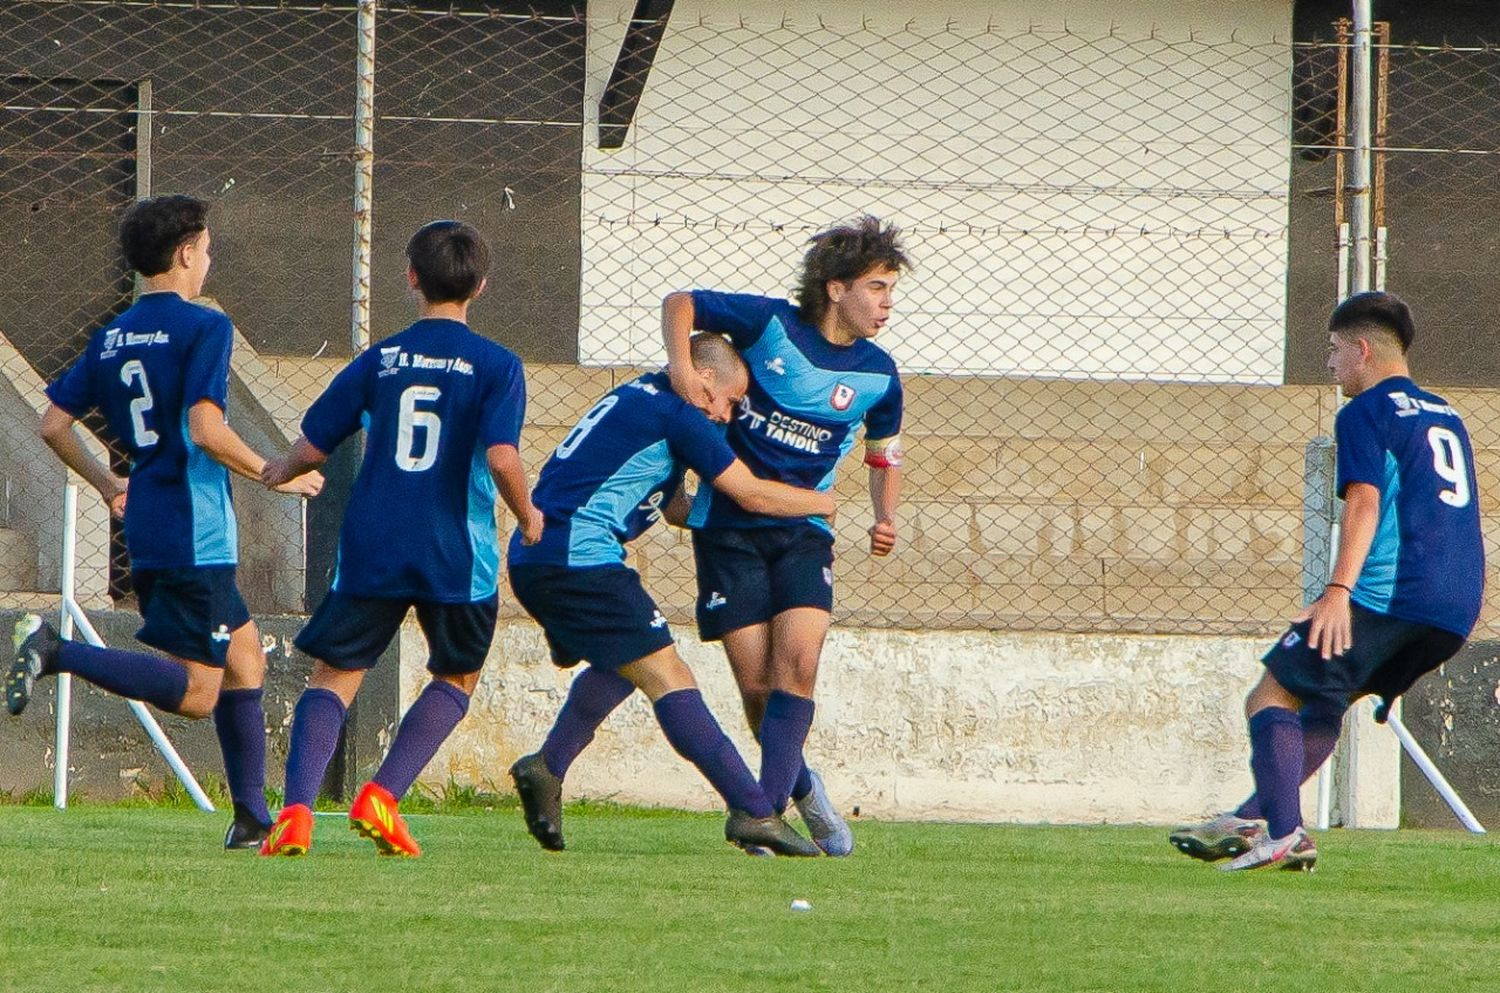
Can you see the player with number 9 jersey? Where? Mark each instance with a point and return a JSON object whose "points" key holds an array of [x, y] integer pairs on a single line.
{"points": [[1426, 562], [1403, 594]]}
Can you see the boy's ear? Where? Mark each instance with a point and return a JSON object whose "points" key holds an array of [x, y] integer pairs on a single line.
{"points": [[483, 283]]}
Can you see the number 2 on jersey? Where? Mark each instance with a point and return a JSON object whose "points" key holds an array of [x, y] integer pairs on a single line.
{"points": [[408, 420], [144, 436], [1448, 462]]}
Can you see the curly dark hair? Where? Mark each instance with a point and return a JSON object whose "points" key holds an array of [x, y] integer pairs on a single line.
{"points": [[845, 253]]}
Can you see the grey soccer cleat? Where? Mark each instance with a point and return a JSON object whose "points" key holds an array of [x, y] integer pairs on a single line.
{"points": [[1296, 851], [1224, 837], [829, 830], [36, 644], [541, 800], [772, 834]]}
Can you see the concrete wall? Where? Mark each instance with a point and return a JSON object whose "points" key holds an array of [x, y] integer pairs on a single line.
{"points": [[929, 725]]}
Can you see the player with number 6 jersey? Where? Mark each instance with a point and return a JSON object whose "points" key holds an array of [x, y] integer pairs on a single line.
{"points": [[442, 409], [1403, 597]]}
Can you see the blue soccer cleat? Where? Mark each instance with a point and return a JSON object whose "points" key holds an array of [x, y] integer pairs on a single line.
{"points": [[828, 828]]}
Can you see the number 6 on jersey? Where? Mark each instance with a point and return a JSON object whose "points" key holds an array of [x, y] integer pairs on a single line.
{"points": [[408, 420]]}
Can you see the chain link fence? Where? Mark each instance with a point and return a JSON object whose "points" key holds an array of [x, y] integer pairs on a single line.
{"points": [[1095, 341]]}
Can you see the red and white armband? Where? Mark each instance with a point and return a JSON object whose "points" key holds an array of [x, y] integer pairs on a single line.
{"points": [[884, 453]]}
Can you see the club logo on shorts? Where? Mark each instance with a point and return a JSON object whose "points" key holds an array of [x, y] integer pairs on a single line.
{"points": [[843, 396], [715, 601], [222, 634], [1291, 640], [777, 365], [658, 621], [828, 575]]}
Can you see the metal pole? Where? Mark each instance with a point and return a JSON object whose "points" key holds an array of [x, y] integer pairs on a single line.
{"points": [[1359, 179], [158, 736], [364, 173], [1436, 778], [61, 740]]}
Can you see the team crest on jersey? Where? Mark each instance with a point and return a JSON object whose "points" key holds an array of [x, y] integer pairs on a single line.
{"points": [[843, 396], [111, 343], [388, 357]]}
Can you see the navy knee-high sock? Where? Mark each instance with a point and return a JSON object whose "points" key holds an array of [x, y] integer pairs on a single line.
{"points": [[316, 723], [697, 737], [241, 725], [594, 695], [783, 730], [424, 728], [1276, 758], [803, 785], [134, 675], [1321, 727]]}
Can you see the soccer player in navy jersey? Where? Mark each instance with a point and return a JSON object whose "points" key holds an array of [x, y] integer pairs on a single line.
{"points": [[1404, 594], [159, 374], [765, 585], [442, 409], [607, 482]]}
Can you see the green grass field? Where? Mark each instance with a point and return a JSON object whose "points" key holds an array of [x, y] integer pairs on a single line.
{"points": [[103, 898]]}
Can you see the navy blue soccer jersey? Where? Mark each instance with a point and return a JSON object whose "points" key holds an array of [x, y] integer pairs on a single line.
{"points": [[144, 372], [807, 398], [1427, 560], [433, 400], [614, 473]]}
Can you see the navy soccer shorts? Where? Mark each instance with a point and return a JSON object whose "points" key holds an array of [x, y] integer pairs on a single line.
{"points": [[189, 613], [1389, 655], [749, 575], [600, 614], [352, 632]]}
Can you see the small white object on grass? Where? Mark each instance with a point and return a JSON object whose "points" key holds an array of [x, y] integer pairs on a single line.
{"points": [[801, 906]]}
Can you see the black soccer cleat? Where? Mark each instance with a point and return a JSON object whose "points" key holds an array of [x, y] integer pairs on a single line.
{"points": [[541, 800], [245, 831], [771, 834], [36, 643]]}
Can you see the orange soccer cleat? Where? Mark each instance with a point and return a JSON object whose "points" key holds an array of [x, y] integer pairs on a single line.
{"points": [[292, 832], [375, 816]]}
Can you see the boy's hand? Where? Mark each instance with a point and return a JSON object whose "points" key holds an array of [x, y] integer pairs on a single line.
{"points": [[116, 497], [531, 527], [309, 484], [276, 472], [882, 537], [687, 384]]}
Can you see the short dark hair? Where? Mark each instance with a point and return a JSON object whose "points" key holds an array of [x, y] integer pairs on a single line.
{"points": [[450, 259], [845, 253], [154, 228], [713, 351], [1374, 311]]}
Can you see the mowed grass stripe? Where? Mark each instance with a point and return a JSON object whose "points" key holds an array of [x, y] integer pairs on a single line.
{"points": [[141, 899]]}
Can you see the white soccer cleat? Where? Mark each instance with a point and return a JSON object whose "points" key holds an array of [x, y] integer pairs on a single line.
{"points": [[828, 828], [1296, 851]]}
